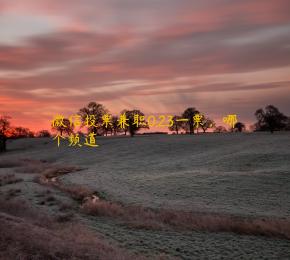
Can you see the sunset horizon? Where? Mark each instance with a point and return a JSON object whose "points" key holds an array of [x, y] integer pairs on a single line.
{"points": [[157, 56], [144, 129]]}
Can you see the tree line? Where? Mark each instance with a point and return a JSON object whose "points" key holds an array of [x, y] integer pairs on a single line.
{"points": [[268, 119]]}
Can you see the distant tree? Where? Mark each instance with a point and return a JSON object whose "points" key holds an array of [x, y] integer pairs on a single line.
{"points": [[43, 133], [115, 125], [239, 126], [132, 128], [105, 130], [106, 125], [189, 114], [270, 119], [124, 128], [206, 123], [287, 127], [220, 129], [65, 128], [177, 125], [5, 127], [21, 132], [96, 111]]}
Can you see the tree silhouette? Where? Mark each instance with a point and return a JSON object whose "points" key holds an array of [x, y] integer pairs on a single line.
{"points": [[96, 111], [106, 125], [177, 125], [4, 131], [43, 133], [188, 114], [206, 123], [220, 129], [21, 132], [115, 125], [132, 126], [270, 119], [239, 126], [287, 127], [65, 128]]}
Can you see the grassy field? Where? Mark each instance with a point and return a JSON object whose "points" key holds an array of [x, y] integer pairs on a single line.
{"points": [[190, 197]]}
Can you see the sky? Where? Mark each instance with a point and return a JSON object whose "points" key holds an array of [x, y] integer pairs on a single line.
{"points": [[160, 56]]}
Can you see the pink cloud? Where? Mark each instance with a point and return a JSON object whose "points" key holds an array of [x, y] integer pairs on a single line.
{"points": [[153, 44]]}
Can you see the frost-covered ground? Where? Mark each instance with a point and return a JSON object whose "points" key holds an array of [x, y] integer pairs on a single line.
{"points": [[239, 174]]}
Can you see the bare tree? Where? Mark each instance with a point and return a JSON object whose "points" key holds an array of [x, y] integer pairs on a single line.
{"points": [[106, 125], [132, 127], [206, 123], [270, 119], [189, 114], [177, 124], [239, 126], [65, 127], [92, 115], [21, 132], [5, 127], [220, 129], [43, 133], [287, 128], [115, 125]]}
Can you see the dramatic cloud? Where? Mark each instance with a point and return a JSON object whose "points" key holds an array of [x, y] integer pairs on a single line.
{"points": [[219, 56]]}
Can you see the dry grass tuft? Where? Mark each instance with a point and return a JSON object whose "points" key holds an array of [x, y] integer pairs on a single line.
{"points": [[11, 193], [76, 192], [9, 179], [103, 208], [24, 236], [145, 218], [8, 163], [67, 217], [140, 217], [66, 206]]}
